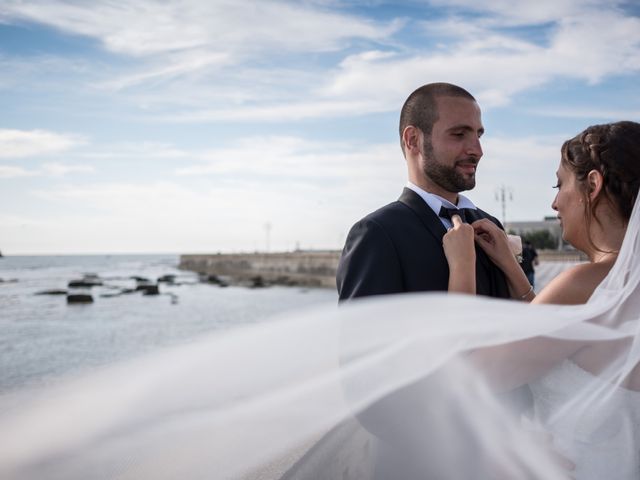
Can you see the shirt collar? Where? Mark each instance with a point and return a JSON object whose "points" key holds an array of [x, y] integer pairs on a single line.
{"points": [[435, 202]]}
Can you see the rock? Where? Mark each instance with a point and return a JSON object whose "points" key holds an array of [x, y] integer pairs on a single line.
{"points": [[209, 278], [169, 278], [85, 283], [285, 280], [74, 298], [51, 292], [148, 289], [139, 279], [213, 279], [257, 282]]}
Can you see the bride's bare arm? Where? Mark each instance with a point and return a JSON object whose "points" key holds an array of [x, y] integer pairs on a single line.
{"points": [[574, 286], [493, 240]]}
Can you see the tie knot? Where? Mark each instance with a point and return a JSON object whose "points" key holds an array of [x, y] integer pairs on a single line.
{"points": [[449, 212]]}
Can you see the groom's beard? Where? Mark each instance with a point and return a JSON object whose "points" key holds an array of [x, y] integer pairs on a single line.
{"points": [[447, 176]]}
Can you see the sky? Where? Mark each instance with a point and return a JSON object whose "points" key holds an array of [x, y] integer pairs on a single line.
{"points": [[195, 126]]}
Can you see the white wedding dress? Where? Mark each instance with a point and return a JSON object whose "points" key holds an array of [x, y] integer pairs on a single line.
{"points": [[602, 441]]}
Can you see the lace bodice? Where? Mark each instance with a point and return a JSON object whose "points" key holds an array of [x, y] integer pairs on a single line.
{"points": [[603, 442]]}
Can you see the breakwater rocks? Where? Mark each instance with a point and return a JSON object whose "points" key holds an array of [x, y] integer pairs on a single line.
{"points": [[85, 289], [303, 268]]}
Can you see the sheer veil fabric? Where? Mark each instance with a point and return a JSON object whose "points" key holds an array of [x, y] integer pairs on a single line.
{"points": [[233, 401]]}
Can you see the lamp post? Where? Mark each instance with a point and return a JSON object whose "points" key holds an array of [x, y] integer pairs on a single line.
{"points": [[504, 194], [267, 229]]}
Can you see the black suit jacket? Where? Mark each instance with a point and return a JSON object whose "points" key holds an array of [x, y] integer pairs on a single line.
{"points": [[398, 248]]}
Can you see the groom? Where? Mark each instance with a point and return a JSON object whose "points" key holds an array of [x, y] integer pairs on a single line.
{"points": [[398, 248]]}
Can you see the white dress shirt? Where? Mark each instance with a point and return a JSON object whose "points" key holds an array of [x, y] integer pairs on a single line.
{"points": [[436, 202]]}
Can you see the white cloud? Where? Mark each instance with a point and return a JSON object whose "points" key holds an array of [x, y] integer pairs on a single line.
{"points": [[60, 169], [168, 216], [46, 170], [275, 113], [311, 192], [136, 151], [291, 160], [187, 47], [603, 113], [524, 12], [9, 171], [495, 66], [170, 67], [28, 143], [191, 35]]}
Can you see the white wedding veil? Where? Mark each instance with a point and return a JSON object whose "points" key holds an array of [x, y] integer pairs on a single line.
{"points": [[234, 402]]}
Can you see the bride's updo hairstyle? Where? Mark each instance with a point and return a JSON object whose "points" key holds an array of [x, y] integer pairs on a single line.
{"points": [[613, 149]]}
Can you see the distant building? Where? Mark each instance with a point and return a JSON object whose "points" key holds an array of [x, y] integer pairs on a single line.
{"points": [[550, 224]]}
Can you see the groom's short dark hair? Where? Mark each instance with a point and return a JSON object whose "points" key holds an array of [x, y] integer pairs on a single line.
{"points": [[420, 109]]}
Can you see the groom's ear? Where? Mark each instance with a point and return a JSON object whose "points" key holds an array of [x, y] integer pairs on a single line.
{"points": [[411, 140], [595, 182]]}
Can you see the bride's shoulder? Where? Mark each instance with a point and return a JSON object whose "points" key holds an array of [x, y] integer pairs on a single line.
{"points": [[575, 285]]}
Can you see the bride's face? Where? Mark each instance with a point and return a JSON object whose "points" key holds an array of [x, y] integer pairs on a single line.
{"points": [[570, 204]]}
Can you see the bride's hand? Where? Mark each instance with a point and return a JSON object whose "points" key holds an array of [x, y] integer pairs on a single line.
{"points": [[493, 240], [495, 243], [458, 245]]}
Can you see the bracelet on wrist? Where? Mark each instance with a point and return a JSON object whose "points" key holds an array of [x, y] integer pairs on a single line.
{"points": [[529, 292]]}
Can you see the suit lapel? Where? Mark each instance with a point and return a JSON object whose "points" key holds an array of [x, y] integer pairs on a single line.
{"points": [[489, 279], [427, 216]]}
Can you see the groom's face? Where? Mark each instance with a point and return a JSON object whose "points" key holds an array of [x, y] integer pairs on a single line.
{"points": [[452, 152]]}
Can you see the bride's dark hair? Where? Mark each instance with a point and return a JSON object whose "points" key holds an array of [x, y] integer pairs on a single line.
{"points": [[613, 149]]}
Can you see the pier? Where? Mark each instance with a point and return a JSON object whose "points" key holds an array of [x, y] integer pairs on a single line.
{"points": [[312, 268], [304, 268]]}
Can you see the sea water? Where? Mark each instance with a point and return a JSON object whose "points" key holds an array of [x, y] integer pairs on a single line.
{"points": [[43, 338]]}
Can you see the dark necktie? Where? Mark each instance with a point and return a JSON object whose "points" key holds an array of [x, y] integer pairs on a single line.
{"points": [[449, 212]]}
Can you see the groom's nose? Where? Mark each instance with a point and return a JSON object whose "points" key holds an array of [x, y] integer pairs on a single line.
{"points": [[474, 148]]}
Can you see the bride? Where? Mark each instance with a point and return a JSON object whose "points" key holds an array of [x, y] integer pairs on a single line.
{"points": [[598, 182], [235, 401]]}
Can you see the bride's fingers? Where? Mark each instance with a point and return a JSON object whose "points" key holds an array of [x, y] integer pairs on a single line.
{"points": [[483, 239], [485, 226]]}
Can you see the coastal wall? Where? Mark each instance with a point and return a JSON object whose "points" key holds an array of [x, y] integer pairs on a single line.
{"points": [[305, 268], [308, 268]]}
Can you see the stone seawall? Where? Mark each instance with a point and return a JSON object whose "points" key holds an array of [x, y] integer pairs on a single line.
{"points": [[305, 268], [312, 268]]}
